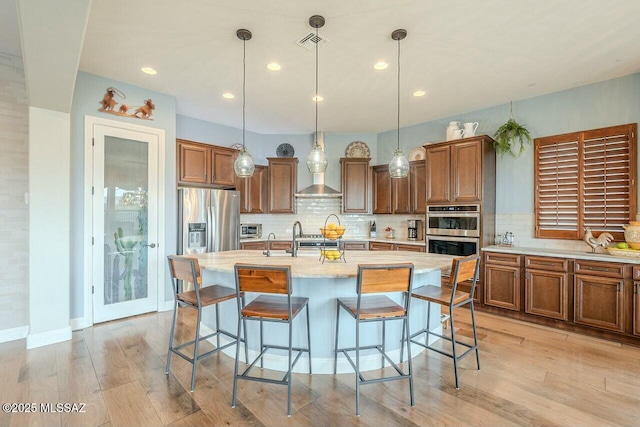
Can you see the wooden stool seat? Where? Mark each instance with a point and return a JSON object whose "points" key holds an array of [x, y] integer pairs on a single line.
{"points": [[372, 307], [273, 307], [439, 295], [209, 295]]}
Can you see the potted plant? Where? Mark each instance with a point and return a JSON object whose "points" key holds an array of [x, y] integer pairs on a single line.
{"points": [[510, 134]]}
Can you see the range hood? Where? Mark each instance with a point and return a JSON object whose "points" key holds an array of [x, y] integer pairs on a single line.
{"points": [[318, 189]]}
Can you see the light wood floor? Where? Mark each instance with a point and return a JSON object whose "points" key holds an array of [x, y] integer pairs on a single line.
{"points": [[530, 376]]}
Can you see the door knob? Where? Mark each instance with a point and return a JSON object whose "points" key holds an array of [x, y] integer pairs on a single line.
{"points": [[153, 245]]}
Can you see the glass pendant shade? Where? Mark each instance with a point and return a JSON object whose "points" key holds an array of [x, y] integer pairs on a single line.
{"points": [[317, 160], [399, 165], [244, 164]]}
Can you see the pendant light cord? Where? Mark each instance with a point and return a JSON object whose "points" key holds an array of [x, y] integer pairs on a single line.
{"points": [[317, 40], [398, 94], [244, 85]]}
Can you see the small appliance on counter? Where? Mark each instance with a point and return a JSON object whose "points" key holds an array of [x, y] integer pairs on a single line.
{"points": [[248, 231], [372, 229], [415, 229]]}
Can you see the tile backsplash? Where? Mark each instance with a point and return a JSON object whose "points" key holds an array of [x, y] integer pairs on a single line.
{"points": [[312, 214]]}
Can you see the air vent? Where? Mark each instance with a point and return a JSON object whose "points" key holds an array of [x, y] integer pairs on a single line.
{"points": [[310, 40]]}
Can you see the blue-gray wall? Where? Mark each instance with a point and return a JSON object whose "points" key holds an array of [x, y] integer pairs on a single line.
{"points": [[89, 90], [607, 103]]}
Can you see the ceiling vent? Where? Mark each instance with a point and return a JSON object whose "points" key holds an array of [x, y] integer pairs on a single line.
{"points": [[310, 40]]}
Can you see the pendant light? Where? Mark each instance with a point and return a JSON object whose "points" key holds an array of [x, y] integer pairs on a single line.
{"points": [[399, 165], [244, 164], [317, 160]]}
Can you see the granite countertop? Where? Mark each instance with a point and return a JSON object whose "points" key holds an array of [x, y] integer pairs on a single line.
{"points": [[559, 253], [308, 265], [350, 239]]}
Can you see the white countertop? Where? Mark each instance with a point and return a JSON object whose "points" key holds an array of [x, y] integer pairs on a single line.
{"points": [[559, 253], [348, 239]]}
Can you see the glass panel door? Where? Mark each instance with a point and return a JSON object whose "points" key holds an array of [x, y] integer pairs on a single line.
{"points": [[125, 219]]}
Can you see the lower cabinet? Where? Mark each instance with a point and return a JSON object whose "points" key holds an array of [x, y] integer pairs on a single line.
{"points": [[383, 246], [355, 246], [546, 287], [253, 246], [411, 248], [599, 302], [502, 280], [636, 308], [280, 245], [379, 246]]}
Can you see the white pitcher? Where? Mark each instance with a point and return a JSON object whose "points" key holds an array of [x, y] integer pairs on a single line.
{"points": [[470, 129], [453, 126]]}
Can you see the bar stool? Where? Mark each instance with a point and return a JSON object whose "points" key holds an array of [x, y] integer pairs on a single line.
{"points": [[269, 308], [375, 279], [462, 269], [188, 270]]}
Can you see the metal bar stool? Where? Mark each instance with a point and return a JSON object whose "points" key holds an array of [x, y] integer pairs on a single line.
{"points": [[269, 308], [374, 279], [462, 269], [188, 270]]}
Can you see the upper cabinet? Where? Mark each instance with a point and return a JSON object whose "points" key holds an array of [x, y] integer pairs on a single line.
{"points": [[205, 165], [458, 170], [399, 195], [381, 183], [355, 185], [418, 185], [253, 191], [282, 184]]}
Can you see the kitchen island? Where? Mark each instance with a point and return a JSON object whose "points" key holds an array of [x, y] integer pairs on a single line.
{"points": [[322, 284]]}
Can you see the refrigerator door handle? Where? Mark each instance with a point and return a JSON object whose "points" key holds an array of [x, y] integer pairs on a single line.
{"points": [[152, 245]]}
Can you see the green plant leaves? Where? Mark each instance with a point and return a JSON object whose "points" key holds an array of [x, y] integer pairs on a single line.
{"points": [[508, 135]]}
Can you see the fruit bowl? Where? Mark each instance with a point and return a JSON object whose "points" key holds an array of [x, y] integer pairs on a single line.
{"points": [[332, 231], [331, 254], [630, 253]]}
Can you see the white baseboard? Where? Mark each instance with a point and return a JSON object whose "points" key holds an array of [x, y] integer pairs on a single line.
{"points": [[13, 334], [46, 338], [80, 323]]}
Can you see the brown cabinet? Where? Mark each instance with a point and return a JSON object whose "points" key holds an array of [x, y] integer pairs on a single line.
{"points": [[282, 184], [280, 245], [636, 308], [355, 185], [456, 170], [253, 245], [253, 191], [418, 184], [546, 287], [206, 165], [390, 195], [379, 246], [355, 246], [502, 280], [383, 246], [410, 248], [599, 289]]}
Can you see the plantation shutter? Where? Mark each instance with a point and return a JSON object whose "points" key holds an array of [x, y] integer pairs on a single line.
{"points": [[557, 171], [585, 179], [608, 180]]}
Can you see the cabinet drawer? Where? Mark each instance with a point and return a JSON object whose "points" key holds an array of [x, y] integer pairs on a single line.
{"points": [[603, 269], [513, 260], [253, 246], [377, 246], [355, 246], [546, 263], [411, 248], [280, 245]]}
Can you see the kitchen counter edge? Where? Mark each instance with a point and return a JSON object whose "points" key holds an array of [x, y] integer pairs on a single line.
{"points": [[560, 253]]}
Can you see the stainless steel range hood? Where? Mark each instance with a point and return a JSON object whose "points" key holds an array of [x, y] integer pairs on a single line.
{"points": [[318, 190]]}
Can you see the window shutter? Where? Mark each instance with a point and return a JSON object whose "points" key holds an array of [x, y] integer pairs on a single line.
{"points": [[557, 194], [608, 186]]}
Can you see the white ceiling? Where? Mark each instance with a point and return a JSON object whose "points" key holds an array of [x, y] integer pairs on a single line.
{"points": [[466, 54]]}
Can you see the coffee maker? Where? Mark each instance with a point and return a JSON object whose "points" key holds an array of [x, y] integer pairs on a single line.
{"points": [[415, 229]]}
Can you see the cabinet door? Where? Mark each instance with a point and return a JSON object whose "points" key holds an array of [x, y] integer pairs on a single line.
{"points": [[381, 189], [418, 180], [401, 195], [502, 287], [282, 184], [379, 246], [280, 245], [636, 308], [355, 185], [411, 248], [438, 164], [599, 302], [355, 246], [253, 191], [466, 182], [193, 163], [253, 246], [222, 172], [546, 293]]}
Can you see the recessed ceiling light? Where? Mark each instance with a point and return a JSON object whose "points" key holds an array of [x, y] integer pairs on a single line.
{"points": [[274, 66], [318, 98], [419, 93], [381, 65], [228, 95], [148, 70]]}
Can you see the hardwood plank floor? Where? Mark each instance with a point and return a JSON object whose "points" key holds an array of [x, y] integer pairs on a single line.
{"points": [[531, 375]]}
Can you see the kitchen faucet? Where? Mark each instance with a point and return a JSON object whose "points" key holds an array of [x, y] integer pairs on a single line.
{"points": [[268, 251], [294, 248]]}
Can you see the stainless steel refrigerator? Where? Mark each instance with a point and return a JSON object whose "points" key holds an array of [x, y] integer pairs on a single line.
{"points": [[208, 220]]}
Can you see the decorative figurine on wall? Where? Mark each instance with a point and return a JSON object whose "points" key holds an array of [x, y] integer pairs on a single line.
{"points": [[109, 103]]}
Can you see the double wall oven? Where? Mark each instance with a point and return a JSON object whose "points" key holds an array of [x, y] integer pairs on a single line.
{"points": [[453, 230]]}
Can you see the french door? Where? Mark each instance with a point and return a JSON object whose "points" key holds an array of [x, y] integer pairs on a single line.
{"points": [[125, 218]]}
